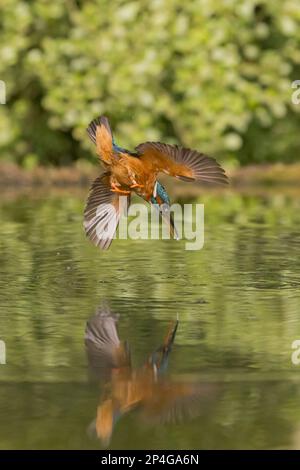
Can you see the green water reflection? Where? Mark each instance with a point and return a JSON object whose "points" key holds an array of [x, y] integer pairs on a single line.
{"points": [[238, 301]]}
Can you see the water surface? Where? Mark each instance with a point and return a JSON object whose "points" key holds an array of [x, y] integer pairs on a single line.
{"points": [[238, 302]]}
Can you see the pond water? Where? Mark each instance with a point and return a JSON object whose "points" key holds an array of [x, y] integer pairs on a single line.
{"points": [[237, 300]]}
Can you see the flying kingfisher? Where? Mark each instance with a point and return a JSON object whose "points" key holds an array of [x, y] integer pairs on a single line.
{"points": [[137, 171]]}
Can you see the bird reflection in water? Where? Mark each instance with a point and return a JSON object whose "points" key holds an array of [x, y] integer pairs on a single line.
{"points": [[125, 388]]}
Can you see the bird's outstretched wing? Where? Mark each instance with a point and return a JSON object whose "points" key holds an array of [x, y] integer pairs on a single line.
{"points": [[183, 163], [103, 211], [100, 133], [105, 351], [173, 402]]}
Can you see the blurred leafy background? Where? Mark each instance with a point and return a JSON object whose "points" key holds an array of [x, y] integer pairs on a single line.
{"points": [[210, 74]]}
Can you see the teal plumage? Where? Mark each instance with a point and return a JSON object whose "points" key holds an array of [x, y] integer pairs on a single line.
{"points": [[162, 193]]}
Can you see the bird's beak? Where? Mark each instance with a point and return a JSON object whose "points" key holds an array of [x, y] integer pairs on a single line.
{"points": [[167, 216]]}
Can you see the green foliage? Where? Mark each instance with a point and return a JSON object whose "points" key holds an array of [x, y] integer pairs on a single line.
{"points": [[211, 74]]}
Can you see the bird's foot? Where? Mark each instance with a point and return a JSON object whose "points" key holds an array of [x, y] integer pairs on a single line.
{"points": [[136, 185], [120, 191], [115, 189]]}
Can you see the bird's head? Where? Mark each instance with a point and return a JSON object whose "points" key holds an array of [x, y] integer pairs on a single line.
{"points": [[160, 195], [161, 201]]}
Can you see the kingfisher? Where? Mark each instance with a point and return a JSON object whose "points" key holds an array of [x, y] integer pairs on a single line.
{"points": [[127, 172], [146, 388]]}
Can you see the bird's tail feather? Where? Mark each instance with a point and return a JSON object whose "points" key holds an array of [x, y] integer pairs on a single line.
{"points": [[92, 127]]}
